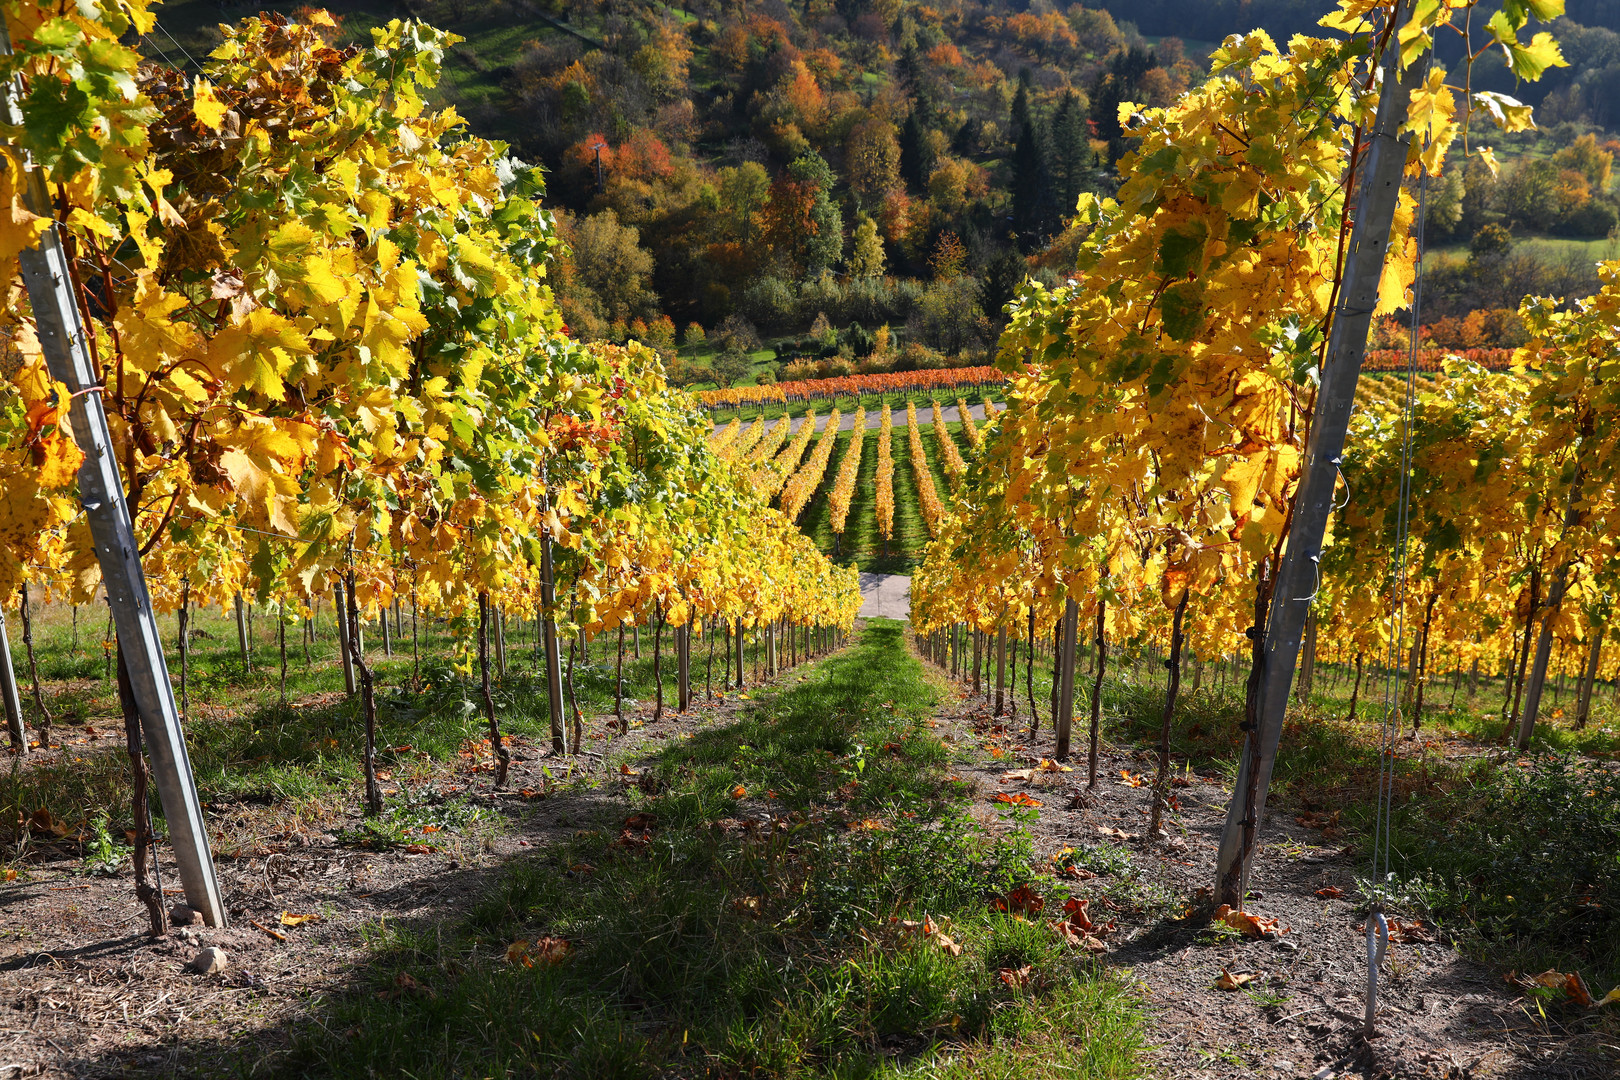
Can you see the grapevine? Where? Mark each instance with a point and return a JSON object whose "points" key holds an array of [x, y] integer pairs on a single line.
{"points": [[843, 490]]}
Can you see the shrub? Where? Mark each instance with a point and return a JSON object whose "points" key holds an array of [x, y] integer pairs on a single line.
{"points": [[731, 366], [736, 332]]}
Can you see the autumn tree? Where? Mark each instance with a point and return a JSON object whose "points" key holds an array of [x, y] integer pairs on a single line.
{"points": [[872, 159], [866, 250]]}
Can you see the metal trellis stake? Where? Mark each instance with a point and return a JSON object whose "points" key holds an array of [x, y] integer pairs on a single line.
{"points": [[1297, 575], [46, 273]]}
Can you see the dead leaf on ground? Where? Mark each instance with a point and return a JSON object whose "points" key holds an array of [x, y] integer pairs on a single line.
{"points": [[290, 919], [1332, 892], [543, 950], [1228, 981], [1017, 798], [1016, 977], [1248, 923], [1023, 900], [1569, 983]]}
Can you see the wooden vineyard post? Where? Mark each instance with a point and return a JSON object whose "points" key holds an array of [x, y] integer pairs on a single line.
{"points": [[1065, 680], [48, 276], [1001, 669], [1299, 573], [683, 667], [1594, 658], [343, 638], [548, 631], [738, 639], [242, 633]]}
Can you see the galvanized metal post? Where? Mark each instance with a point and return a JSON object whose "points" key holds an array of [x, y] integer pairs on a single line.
{"points": [[1298, 575], [9, 691], [49, 280]]}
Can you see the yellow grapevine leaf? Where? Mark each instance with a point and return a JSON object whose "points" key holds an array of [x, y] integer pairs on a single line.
{"points": [[210, 110]]}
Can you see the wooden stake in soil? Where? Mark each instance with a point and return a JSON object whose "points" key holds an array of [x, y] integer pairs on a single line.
{"points": [[368, 703], [503, 756], [1029, 679], [1161, 782], [618, 686], [1065, 680], [1096, 692], [658, 659], [43, 724], [344, 649], [573, 704], [242, 634], [140, 809], [281, 642], [1594, 658], [1001, 669]]}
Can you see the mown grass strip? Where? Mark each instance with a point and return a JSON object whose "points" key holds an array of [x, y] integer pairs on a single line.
{"points": [[744, 926]]}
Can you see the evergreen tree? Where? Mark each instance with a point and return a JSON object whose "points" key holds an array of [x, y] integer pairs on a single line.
{"points": [[1072, 158], [1033, 203], [916, 154], [1003, 276]]}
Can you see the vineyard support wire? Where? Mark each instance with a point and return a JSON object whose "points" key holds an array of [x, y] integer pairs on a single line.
{"points": [[1389, 723]]}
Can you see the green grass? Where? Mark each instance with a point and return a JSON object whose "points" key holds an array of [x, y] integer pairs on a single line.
{"points": [[1547, 249], [766, 951]]}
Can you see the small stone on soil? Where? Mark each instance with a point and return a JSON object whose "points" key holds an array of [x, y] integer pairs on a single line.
{"points": [[208, 961]]}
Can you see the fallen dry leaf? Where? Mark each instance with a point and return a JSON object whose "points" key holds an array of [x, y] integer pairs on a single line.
{"points": [[544, 950], [1332, 892], [1017, 774], [1130, 779], [949, 946], [1228, 981], [738, 792], [1016, 977], [289, 919], [1017, 798], [1570, 983], [1022, 900], [1249, 924]]}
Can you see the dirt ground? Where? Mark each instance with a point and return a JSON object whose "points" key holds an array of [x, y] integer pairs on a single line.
{"points": [[84, 992]]}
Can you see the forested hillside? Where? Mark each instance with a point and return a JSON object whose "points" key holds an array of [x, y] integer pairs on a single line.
{"points": [[757, 189]]}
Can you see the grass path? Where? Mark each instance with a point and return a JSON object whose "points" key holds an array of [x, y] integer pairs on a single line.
{"points": [[737, 917]]}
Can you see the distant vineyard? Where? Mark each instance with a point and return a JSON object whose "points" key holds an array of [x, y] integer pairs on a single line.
{"points": [[894, 382], [1430, 359]]}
